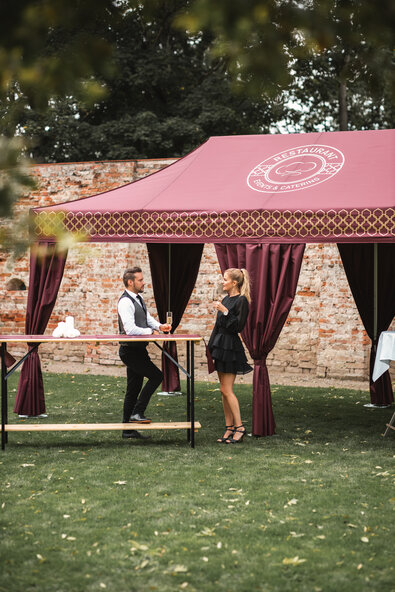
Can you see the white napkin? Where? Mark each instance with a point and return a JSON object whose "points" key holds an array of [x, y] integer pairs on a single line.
{"points": [[66, 329]]}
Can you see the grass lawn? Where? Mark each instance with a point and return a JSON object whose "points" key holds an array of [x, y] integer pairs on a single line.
{"points": [[309, 509]]}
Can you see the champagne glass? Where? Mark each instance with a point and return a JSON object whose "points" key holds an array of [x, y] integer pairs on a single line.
{"points": [[218, 292], [169, 317]]}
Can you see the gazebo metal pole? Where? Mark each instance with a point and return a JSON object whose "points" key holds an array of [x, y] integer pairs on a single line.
{"points": [[169, 393], [375, 294], [169, 282]]}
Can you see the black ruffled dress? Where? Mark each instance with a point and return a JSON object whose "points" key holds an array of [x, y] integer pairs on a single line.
{"points": [[225, 344]]}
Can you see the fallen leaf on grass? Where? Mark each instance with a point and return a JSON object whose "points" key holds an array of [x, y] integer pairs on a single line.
{"points": [[119, 482], [138, 547], [207, 531], [291, 502], [294, 561], [142, 564], [175, 569], [364, 539]]}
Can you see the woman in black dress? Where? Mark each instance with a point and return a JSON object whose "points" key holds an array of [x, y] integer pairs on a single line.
{"points": [[227, 349]]}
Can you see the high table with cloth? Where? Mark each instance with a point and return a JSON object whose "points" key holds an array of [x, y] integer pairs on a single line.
{"points": [[385, 353], [34, 341]]}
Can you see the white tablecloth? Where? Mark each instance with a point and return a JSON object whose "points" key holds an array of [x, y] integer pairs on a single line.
{"points": [[385, 353]]}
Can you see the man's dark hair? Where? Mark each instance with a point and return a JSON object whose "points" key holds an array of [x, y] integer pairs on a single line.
{"points": [[129, 274]]}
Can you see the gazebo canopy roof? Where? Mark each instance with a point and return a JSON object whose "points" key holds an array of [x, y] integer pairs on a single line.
{"points": [[319, 187]]}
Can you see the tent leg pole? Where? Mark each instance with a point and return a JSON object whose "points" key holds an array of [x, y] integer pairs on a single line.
{"points": [[375, 295], [169, 271]]}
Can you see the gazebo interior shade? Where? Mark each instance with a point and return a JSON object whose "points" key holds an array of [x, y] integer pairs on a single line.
{"points": [[298, 188]]}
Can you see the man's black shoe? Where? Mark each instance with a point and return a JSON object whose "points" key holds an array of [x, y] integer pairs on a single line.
{"points": [[135, 434], [140, 418]]}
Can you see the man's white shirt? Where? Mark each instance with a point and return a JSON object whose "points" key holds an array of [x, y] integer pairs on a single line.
{"points": [[126, 312]]}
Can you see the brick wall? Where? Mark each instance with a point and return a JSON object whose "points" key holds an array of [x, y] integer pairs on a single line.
{"points": [[323, 335]]}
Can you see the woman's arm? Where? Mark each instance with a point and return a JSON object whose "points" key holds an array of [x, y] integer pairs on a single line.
{"points": [[213, 334], [236, 318]]}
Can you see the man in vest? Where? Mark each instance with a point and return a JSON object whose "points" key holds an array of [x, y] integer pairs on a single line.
{"points": [[134, 319]]}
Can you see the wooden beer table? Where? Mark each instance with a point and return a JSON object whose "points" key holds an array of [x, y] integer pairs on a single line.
{"points": [[34, 341]]}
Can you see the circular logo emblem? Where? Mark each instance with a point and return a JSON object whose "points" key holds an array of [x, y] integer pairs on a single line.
{"points": [[296, 169]]}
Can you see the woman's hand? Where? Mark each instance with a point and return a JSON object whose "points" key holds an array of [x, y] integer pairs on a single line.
{"points": [[219, 306]]}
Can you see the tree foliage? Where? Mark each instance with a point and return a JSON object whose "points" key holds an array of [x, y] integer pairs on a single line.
{"points": [[44, 54], [169, 96], [315, 98], [336, 54], [105, 79]]}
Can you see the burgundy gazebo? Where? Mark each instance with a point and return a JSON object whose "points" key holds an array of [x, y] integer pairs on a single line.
{"points": [[259, 198]]}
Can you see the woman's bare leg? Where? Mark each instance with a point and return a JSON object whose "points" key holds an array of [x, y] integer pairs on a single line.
{"points": [[229, 399]]}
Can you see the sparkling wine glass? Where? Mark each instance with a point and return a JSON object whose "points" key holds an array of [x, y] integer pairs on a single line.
{"points": [[218, 292]]}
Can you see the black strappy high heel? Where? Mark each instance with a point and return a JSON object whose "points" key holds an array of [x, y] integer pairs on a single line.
{"points": [[226, 438], [243, 432]]}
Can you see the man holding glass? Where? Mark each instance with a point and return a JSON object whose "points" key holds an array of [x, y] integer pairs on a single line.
{"points": [[134, 319]]}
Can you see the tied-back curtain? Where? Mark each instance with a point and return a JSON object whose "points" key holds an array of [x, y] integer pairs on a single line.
{"points": [[183, 261], [46, 272], [358, 262], [274, 272]]}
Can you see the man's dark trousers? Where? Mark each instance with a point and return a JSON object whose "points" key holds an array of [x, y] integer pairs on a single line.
{"points": [[139, 366]]}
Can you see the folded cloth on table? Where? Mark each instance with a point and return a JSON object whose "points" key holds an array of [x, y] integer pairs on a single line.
{"points": [[66, 329]]}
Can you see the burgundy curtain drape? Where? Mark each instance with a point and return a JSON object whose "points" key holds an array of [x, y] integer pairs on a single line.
{"points": [[183, 261], [274, 272], [46, 272], [358, 262]]}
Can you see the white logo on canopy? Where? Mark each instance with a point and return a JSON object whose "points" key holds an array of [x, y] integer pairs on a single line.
{"points": [[296, 169]]}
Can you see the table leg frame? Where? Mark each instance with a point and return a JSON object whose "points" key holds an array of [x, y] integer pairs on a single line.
{"points": [[4, 396], [390, 425], [192, 379], [188, 356]]}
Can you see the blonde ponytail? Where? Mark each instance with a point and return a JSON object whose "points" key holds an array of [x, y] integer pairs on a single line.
{"points": [[245, 287]]}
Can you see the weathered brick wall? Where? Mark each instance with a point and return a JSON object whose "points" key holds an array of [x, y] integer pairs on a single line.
{"points": [[323, 335]]}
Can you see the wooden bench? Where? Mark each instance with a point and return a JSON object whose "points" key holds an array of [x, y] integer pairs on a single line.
{"points": [[56, 427]]}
